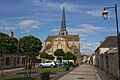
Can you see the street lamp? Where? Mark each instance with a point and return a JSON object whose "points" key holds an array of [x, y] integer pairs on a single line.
{"points": [[105, 15]]}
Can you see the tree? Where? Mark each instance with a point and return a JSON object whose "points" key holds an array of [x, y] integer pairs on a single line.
{"points": [[30, 45], [59, 52], [46, 56], [43, 55], [69, 56], [50, 57], [7, 46]]}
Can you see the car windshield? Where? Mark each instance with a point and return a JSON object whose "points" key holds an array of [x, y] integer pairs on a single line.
{"points": [[49, 62]]}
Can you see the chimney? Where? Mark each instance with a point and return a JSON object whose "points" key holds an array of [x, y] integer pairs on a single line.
{"points": [[101, 42], [11, 34]]}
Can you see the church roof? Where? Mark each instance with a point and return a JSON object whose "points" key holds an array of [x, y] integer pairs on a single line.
{"points": [[68, 37]]}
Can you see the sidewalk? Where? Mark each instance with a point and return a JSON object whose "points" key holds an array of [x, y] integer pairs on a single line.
{"points": [[104, 75], [13, 69], [83, 72]]}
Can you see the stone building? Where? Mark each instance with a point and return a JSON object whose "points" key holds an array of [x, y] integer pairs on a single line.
{"points": [[107, 56], [63, 41], [109, 43]]}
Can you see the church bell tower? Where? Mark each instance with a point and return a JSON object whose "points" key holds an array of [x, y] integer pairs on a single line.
{"points": [[63, 24]]}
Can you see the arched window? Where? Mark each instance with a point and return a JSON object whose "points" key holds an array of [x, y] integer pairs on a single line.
{"points": [[59, 45]]}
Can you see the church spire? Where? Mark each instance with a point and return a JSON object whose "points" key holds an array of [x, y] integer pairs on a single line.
{"points": [[63, 24]]}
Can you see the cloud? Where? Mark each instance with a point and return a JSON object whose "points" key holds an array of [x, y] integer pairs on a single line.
{"points": [[81, 29], [68, 6], [29, 24], [54, 5], [7, 28], [55, 30], [89, 28], [94, 12], [84, 28], [88, 47], [72, 7]]}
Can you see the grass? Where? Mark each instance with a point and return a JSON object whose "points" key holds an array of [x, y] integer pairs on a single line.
{"points": [[60, 69]]}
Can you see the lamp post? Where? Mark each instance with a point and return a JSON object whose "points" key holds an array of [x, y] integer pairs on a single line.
{"points": [[105, 15]]}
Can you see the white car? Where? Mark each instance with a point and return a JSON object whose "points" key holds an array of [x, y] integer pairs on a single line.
{"points": [[48, 64]]}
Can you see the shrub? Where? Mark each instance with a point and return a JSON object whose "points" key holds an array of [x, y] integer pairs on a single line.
{"points": [[67, 68], [44, 75]]}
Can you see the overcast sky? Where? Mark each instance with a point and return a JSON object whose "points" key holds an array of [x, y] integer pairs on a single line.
{"points": [[41, 18]]}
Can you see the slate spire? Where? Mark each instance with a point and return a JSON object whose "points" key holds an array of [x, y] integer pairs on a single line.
{"points": [[63, 24]]}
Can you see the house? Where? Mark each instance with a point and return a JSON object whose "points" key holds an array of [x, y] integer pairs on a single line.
{"points": [[106, 56], [109, 43], [11, 60]]}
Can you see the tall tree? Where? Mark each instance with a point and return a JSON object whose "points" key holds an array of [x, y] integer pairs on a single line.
{"points": [[30, 45]]}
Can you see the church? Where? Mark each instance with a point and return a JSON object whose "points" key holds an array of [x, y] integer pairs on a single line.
{"points": [[63, 41]]}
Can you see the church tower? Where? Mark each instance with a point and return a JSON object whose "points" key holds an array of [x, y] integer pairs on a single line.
{"points": [[63, 24]]}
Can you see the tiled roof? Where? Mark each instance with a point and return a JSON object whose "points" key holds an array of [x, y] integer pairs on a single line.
{"points": [[68, 37], [3, 35], [109, 42]]}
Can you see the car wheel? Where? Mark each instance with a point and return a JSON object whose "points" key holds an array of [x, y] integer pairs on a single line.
{"points": [[51, 66], [41, 66]]}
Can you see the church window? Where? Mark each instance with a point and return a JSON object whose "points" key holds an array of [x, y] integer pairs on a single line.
{"points": [[59, 45]]}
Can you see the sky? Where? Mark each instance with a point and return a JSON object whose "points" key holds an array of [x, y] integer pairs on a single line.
{"points": [[42, 18]]}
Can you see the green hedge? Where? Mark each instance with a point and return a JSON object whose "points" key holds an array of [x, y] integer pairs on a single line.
{"points": [[45, 75]]}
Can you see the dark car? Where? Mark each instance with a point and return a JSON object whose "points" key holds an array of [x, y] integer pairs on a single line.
{"points": [[68, 64]]}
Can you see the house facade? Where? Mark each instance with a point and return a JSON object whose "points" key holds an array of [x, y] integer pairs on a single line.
{"points": [[11, 60]]}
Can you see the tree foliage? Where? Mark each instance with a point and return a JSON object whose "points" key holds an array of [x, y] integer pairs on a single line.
{"points": [[46, 56], [8, 45], [30, 45], [43, 55], [51, 57], [69, 56], [59, 52]]}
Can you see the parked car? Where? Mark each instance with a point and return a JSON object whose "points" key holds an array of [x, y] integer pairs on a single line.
{"points": [[48, 64], [58, 62], [68, 64]]}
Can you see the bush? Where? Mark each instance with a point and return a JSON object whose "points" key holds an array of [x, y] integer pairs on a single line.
{"points": [[77, 64], [67, 68], [44, 75]]}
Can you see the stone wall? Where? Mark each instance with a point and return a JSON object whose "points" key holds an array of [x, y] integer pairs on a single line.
{"points": [[109, 63], [113, 64]]}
